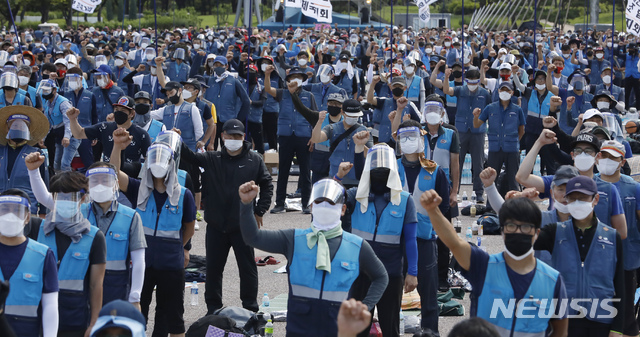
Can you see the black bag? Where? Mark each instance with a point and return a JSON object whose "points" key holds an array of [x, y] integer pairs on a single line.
{"points": [[199, 328], [490, 224], [252, 323]]}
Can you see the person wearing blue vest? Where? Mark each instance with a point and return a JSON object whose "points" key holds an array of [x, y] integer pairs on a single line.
{"points": [[323, 261], [471, 139], [417, 175], [384, 106], [143, 118], [506, 126], [58, 140], [609, 162], [323, 87], [24, 79], [196, 88], [607, 84], [508, 277], [10, 94], [151, 82], [585, 147], [415, 84], [557, 78], [105, 92], [589, 256], [568, 55], [85, 101], [385, 216], [345, 76], [120, 70], [575, 95], [178, 70], [119, 318], [294, 135], [439, 78], [597, 64], [168, 215], [271, 106], [31, 269], [79, 247], [258, 97], [180, 114], [632, 75]]}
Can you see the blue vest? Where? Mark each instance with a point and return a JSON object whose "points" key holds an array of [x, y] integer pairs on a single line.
{"points": [[154, 129], [271, 105], [384, 130], [182, 177], [344, 151], [223, 95], [548, 217], [315, 295], [413, 90], [604, 206], [568, 119], [32, 95], [54, 116], [316, 90], [464, 111], [154, 91], [17, 100], [536, 111], [442, 152], [255, 111], [424, 181], [592, 278], [83, 103], [290, 121], [539, 296], [163, 232], [178, 72], [452, 101], [182, 121], [103, 105], [19, 173], [596, 69], [117, 278], [21, 308], [503, 127], [119, 74], [324, 146], [346, 83], [631, 245], [73, 297]]}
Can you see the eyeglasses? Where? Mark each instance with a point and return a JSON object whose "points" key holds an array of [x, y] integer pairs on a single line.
{"points": [[510, 227], [589, 151]]}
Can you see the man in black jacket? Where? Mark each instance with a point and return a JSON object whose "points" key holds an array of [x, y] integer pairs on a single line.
{"points": [[224, 172]]}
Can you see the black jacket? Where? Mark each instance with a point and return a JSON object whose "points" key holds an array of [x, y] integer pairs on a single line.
{"points": [[222, 176]]}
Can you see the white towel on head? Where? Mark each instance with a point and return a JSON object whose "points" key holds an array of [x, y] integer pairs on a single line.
{"points": [[393, 183]]}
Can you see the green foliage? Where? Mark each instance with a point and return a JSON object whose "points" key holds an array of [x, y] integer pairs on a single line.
{"points": [[455, 7]]}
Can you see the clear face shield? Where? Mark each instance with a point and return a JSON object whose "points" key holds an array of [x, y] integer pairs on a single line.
{"points": [[100, 79], [72, 82], [511, 59], [18, 128], [66, 207], [578, 82], [9, 80], [324, 73], [150, 54], [179, 54], [610, 122], [327, 190], [46, 88], [173, 140], [144, 42], [387, 55], [4, 57], [71, 59], [382, 156], [103, 185], [100, 60], [158, 158], [14, 211], [410, 140], [432, 113]]}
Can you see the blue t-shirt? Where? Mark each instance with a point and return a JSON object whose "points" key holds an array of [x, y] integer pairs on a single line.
{"points": [[189, 205], [520, 283], [11, 257], [616, 206]]}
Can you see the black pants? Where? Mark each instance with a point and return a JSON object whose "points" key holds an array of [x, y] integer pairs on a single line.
{"points": [[630, 323], [631, 83], [218, 245], [86, 153], [54, 137], [169, 285], [511, 161], [255, 132], [547, 160], [319, 162], [443, 260], [388, 305], [582, 327], [291, 146], [270, 127], [428, 283], [217, 136]]}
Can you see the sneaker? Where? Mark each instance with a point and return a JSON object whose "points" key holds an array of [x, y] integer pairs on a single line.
{"points": [[306, 210], [277, 209], [479, 199], [197, 227], [199, 216]]}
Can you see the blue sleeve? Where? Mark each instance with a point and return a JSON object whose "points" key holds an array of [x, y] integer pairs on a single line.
{"points": [[196, 61], [562, 93], [50, 273], [244, 97], [637, 197], [616, 206], [132, 191], [94, 111], [410, 230], [627, 148], [547, 187], [560, 293], [522, 118], [189, 212], [484, 115], [479, 262]]}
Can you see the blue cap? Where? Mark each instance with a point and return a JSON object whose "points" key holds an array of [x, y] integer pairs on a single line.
{"points": [[221, 59], [120, 314], [103, 69], [582, 184]]}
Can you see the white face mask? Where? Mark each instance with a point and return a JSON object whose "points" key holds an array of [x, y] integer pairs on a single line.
{"points": [[196, 46], [296, 80], [101, 193], [153, 71], [233, 144], [158, 171], [584, 162], [566, 55], [74, 85], [599, 55], [606, 79], [332, 46], [580, 209], [562, 208], [351, 120], [38, 44], [302, 62], [410, 69], [262, 66], [602, 105], [326, 216], [325, 78], [144, 46], [186, 94], [504, 95], [541, 86], [354, 40], [519, 257], [26, 62], [102, 83], [607, 166], [118, 62], [24, 80], [11, 225], [428, 50], [433, 118], [609, 44], [472, 87], [466, 60], [447, 44], [409, 147]]}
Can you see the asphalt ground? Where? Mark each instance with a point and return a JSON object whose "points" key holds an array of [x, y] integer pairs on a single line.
{"points": [[276, 284]]}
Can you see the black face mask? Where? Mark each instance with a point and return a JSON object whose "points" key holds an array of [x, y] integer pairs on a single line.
{"points": [[106, 53], [48, 97], [142, 108], [253, 78], [517, 244], [421, 44], [40, 57], [219, 70], [457, 74], [527, 50], [120, 117], [589, 53], [397, 92], [378, 177], [334, 110], [45, 76], [174, 99]]}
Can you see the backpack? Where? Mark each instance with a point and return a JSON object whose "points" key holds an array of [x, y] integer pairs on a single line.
{"points": [[200, 327]]}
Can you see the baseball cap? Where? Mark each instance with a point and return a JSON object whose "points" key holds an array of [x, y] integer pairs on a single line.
{"points": [[614, 148], [581, 184], [602, 131], [192, 81], [399, 80], [119, 314], [344, 57], [102, 69], [506, 84], [352, 108], [505, 66], [221, 59], [589, 138], [142, 94], [171, 85], [563, 174], [126, 102], [335, 96], [592, 113], [233, 127]]}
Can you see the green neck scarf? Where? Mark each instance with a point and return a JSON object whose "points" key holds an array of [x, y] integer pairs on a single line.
{"points": [[323, 258]]}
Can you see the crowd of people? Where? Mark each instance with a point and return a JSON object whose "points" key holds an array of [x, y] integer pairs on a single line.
{"points": [[116, 142]]}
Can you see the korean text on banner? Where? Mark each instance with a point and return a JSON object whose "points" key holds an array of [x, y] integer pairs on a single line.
{"points": [[85, 6], [293, 3], [633, 17], [321, 10]]}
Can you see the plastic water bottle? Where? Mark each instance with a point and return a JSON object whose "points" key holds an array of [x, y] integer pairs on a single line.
{"points": [[480, 230], [266, 303], [469, 234], [268, 329], [472, 210], [194, 293], [458, 225], [465, 199], [401, 323]]}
